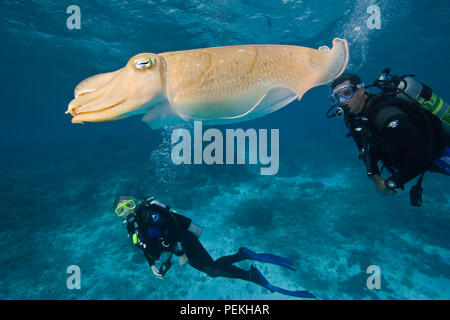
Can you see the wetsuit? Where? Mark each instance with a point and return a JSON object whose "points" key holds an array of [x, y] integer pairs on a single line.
{"points": [[400, 135], [160, 229]]}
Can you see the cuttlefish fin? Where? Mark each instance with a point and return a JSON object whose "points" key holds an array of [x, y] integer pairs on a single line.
{"points": [[274, 99], [161, 115], [337, 61], [333, 63]]}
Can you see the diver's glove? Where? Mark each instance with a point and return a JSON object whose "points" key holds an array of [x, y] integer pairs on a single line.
{"points": [[156, 272], [380, 185], [183, 259]]}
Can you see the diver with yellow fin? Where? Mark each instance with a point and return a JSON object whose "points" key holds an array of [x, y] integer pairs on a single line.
{"points": [[155, 228], [406, 127]]}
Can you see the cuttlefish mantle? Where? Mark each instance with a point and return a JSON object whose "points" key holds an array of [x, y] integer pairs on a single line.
{"points": [[216, 85]]}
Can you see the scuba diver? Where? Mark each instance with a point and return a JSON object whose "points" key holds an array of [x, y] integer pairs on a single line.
{"points": [[406, 127], [155, 228]]}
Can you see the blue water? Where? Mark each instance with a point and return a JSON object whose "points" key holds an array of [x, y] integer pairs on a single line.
{"points": [[58, 180]]}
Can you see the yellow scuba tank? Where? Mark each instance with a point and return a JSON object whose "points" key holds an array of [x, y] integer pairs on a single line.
{"points": [[425, 97]]}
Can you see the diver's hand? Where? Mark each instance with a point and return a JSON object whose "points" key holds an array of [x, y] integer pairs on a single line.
{"points": [[183, 259], [381, 186], [156, 272]]}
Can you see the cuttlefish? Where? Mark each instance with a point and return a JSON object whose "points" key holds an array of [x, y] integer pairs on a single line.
{"points": [[216, 85]]}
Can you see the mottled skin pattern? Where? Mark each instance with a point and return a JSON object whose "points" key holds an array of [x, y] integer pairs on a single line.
{"points": [[220, 84]]}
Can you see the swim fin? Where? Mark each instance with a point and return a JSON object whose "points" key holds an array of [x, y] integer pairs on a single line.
{"points": [[269, 258], [257, 277]]}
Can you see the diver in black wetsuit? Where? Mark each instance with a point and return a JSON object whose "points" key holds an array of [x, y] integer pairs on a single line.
{"points": [[407, 140], [155, 228]]}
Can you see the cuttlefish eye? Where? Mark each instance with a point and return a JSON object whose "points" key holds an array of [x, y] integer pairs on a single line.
{"points": [[143, 63]]}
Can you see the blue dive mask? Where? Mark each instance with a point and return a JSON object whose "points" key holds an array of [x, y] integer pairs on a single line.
{"points": [[344, 93]]}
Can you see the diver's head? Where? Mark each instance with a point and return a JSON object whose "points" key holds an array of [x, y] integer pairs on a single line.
{"points": [[123, 206], [348, 91]]}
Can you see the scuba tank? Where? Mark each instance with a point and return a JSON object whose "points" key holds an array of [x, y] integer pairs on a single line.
{"points": [[426, 98], [408, 88]]}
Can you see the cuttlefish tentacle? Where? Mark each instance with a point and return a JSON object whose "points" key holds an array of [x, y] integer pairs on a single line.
{"points": [[94, 83], [120, 94], [217, 85], [111, 96], [91, 89]]}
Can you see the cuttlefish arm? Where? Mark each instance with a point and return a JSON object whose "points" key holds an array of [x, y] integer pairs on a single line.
{"points": [[216, 85]]}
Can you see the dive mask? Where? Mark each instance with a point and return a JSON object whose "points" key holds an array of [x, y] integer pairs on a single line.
{"points": [[340, 95], [125, 208], [344, 93]]}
